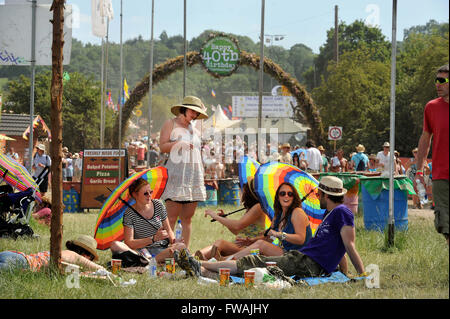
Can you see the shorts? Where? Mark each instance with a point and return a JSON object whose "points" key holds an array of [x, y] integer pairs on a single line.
{"points": [[440, 197], [10, 260], [158, 247], [291, 263]]}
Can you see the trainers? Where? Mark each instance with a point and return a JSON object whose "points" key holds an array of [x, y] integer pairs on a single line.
{"points": [[187, 263]]}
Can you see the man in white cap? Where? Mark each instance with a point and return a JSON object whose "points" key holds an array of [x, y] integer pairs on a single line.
{"points": [[334, 237], [40, 162], [383, 159]]}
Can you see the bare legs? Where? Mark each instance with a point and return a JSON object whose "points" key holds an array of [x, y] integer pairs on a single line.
{"points": [[265, 248], [185, 212]]}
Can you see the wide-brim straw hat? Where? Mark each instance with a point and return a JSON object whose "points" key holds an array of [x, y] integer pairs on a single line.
{"points": [[332, 185], [193, 103], [360, 148], [321, 148], [41, 147], [386, 144], [84, 241]]}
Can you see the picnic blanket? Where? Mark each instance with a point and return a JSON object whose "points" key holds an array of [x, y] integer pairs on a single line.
{"points": [[335, 277]]}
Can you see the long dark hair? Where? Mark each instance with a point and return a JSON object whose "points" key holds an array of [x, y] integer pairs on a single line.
{"points": [[296, 202], [248, 199]]}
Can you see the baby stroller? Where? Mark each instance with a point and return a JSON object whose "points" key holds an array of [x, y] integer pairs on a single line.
{"points": [[16, 210]]}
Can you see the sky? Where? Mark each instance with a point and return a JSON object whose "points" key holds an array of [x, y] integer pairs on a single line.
{"points": [[299, 21]]}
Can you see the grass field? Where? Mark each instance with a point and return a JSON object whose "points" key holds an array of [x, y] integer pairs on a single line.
{"points": [[417, 267]]}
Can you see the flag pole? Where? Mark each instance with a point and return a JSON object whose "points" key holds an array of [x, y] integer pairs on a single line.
{"points": [[33, 72], [150, 88], [261, 76], [391, 225], [121, 88]]}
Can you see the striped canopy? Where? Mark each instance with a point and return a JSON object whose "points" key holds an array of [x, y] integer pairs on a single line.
{"points": [[109, 225], [17, 176]]}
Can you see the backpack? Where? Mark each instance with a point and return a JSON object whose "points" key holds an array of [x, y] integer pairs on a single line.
{"points": [[130, 259], [361, 166]]}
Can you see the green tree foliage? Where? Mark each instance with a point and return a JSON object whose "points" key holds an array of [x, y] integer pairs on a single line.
{"points": [[80, 111], [356, 96]]}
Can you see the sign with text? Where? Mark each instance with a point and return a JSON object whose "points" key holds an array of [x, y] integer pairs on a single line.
{"points": [[221, 55], [272, 106], [102, 169]]}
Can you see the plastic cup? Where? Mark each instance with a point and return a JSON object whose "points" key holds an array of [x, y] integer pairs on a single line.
{"points": [[224, 276], [116, 265], [270, 263], [249, 278], [170, 265]]}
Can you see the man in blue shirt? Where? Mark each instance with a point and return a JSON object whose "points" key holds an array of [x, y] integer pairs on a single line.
{"points": [[323, 253], [360, 161]]}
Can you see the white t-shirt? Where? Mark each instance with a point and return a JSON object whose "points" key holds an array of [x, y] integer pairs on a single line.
{"points": [[314, 158], [384, 159]]}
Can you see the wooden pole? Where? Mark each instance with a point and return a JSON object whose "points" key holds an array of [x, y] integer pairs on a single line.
{"points": [[56, 122]]}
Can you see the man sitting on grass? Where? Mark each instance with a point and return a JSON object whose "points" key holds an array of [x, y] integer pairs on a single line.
{"points": [[334, 237]]}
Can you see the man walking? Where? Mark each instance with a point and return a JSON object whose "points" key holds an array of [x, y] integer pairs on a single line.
{"points": [[40, 162], [435, 125]]}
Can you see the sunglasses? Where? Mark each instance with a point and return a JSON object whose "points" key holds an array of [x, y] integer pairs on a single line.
{"points": [[283, 193], [148, 193], [441, 80]]}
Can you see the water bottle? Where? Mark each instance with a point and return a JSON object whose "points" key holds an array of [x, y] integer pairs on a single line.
{"points": [[178, 231], [421, 192], [152, 267]]}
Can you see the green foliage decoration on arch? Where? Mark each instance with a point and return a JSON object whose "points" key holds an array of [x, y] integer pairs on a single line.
{"points": [[305, 104]]}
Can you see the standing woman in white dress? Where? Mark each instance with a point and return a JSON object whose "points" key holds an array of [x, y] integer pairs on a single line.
{"points": [[185, 186]]}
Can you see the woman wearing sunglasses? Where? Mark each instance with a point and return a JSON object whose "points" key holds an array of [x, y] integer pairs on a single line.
{"points": [[290, 226], [146, 227]]}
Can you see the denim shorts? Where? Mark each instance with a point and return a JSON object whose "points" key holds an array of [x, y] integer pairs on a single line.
{"points": [[10, 260]]}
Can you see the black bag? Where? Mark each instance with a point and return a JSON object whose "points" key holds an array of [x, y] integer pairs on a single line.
{"points": [[361, 166], [130, 259]]}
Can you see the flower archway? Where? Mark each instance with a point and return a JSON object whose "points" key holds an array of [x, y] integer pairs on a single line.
{"points": [[305, 105]]}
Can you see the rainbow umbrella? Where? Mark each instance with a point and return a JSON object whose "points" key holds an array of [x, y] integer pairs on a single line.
{"points": [[109, 225], [17, 176], [271, 175], [247, 167]]}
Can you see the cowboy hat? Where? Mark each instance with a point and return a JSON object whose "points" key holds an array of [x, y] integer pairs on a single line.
{"points": [[386, 144], [332, 185], [86, 242], [193, 103], [360, 148]]}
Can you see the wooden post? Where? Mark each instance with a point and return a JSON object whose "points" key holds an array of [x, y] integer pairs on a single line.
{"points": [[56, 122]]}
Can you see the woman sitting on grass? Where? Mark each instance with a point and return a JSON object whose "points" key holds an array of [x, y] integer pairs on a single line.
{"points": [[146, 227], [290, 226], [81, 252], [248, 229]]}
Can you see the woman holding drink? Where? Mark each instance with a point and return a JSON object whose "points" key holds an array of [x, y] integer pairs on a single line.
{"points": [[146, 227], [185, 186]]}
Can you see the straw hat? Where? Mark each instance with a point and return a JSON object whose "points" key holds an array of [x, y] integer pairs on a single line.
{"points": [[386, 144], [332, 185], [84, 241], [193, 103], [360, 148], [372, 157], [321, 148]]}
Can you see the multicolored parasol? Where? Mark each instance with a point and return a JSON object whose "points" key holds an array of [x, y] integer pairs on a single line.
{"points": [[17, 176], [271, 175], [247, 167], [109, 226]]}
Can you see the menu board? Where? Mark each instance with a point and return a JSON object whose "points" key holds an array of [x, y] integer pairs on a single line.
{"points": [[102, 169]]}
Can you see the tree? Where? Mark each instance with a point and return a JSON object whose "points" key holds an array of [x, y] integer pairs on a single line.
{"points": [[356, 96]]}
